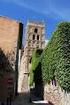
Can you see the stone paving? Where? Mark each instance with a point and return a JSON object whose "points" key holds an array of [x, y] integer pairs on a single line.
{"points": [[23, 99]]}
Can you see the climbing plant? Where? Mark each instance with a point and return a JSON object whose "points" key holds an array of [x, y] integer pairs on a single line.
{"points": [[56, 57], [35, 62]]}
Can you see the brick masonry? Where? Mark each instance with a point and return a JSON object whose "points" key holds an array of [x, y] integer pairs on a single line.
{"points": [[9, 49], [9, 30]]}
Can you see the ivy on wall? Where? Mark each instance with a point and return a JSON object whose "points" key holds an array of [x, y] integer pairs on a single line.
{"points": [[35, 61], [56, 57]]}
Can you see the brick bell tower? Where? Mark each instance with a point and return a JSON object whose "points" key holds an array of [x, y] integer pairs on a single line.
{"points": [[34, 34]]}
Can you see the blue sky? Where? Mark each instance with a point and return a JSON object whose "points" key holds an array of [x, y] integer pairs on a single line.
{"points": [[51, 12]]}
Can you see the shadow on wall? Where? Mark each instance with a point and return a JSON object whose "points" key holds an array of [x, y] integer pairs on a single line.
{"points": [[5, 64], [6, 77], [39, 88]]}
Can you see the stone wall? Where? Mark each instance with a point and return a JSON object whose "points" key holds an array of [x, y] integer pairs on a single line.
{"points": [[30, 45], [23, 73], [55, 95]]}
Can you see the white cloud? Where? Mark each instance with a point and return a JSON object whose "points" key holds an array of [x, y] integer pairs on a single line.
{"points": [[41, 6], [61, 8], [51, 8]]}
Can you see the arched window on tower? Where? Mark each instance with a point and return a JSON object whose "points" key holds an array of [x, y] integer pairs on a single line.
{"points": [[37, 37], [35, 30], [33, 37]]}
